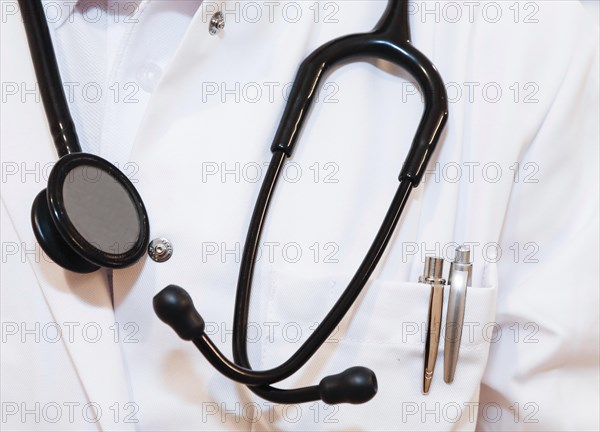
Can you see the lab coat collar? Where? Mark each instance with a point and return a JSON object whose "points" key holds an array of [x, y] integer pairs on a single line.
{"points": [[58, 11]]}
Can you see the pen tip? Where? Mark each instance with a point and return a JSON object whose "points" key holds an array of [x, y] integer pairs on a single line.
{"points": [[426, 383]]}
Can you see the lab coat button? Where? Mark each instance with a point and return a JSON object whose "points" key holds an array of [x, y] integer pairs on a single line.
{"points": [[148, 76], [217, 22], [160, 249]]}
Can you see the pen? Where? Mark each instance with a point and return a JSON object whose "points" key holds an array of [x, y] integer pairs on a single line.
{"points": [[459, 279], [432, 275]]}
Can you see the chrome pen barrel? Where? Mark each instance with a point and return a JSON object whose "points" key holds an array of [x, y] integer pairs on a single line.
{"points": [[459, 279], [432, 275]]}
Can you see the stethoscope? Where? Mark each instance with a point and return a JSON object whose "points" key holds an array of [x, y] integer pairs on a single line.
{"points": [[67, 225]]}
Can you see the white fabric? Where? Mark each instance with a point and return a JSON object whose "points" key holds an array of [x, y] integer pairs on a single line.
{"points": [[195, 146], [111, 54]]}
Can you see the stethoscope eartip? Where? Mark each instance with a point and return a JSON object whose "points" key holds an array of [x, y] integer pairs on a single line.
{"points": [[174, 306], [356, 385]]}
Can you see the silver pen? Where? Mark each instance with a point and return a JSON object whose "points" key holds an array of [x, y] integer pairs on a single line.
{"points": [[433, 276], [458, 279]]}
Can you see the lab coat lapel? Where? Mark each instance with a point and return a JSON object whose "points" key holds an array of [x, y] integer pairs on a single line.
{"points": [[80, 304]]}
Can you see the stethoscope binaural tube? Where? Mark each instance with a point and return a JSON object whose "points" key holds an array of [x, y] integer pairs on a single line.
{"points": [[389, 41]]}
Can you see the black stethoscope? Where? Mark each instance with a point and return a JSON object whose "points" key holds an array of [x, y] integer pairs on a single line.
{"points": [[75, 218]]}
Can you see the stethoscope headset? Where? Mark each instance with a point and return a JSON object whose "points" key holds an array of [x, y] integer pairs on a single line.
{"points": [[76, 234]]}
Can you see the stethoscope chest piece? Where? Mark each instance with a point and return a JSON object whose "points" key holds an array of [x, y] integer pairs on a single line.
{"points": [[90, 216]]}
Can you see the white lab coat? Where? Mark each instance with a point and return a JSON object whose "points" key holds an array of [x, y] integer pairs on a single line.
{"points": [[529, 355]]}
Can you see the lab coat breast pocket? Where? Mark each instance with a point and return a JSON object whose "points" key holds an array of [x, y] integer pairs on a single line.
{"points": [[384, 331]]}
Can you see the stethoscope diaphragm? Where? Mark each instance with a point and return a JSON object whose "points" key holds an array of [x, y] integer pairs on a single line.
{"points": [[90, 216]]}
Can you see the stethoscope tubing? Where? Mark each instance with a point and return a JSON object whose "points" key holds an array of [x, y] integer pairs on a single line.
{"points": [[338, 311], [47, 73], [390, 40]]}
